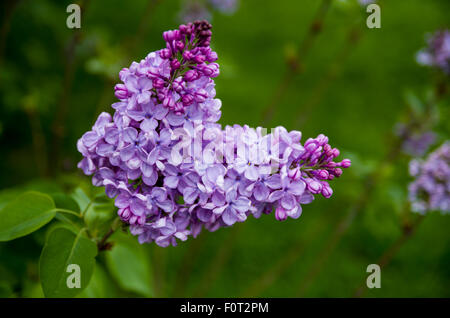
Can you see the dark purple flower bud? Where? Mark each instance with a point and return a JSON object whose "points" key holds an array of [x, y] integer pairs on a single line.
{"points": [[183, 29], [206, 70], [187, 55], [327, 192], [201, 95], [168, 101], [336, 152], [190, 76], [346, 163], [322, 174], [165, 53], [211, 56], [331, 164], [199, 59], [311, 146], [158, 83], [187, 99], [322, 139], [179, 45], [178, 84], [121, 91], [314, 186], [169, 36], [337, 172], [175, 64]]}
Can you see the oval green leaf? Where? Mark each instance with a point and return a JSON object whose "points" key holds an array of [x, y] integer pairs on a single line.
{"points": [[61, 252], [129, 263], [25, 214]]}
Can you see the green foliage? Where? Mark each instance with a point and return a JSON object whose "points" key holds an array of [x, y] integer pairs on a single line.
{"points": [[27, 213], [63, 248], [101, 285], [129, 264]]}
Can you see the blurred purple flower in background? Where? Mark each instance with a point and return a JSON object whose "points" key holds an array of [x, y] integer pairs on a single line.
{"points": [[430, 190], [366, 2], [192, 10], [414, 143], [437, 53]]}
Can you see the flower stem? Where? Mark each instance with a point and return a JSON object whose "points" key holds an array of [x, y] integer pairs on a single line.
{"points": [[103, 245]]}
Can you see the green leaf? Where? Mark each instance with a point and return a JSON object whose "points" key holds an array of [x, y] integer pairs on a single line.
{"points": [[81, 198], [101, 285], [62, 249], [129, 263], [27, 213], [65, 201], [5, 290], [7, 196]]}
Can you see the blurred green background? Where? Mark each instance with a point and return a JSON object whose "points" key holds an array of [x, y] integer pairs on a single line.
{"points": [[351, 86]]}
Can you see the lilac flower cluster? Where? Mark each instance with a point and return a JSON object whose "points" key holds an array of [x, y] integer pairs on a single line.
{"points": [[437, 54], [174, 170], [431, 188]]}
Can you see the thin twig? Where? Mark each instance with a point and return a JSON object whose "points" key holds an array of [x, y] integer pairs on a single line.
{"points": [[318, 92], [39, 146], [390, 253], [59, 121], [10, 7], [269, 277], [106, 97], [295, 65], [347, 221]]}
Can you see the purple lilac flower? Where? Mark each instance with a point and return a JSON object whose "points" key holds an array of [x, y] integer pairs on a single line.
{"points": [[437, 54], [414, 143], [201, 9], [173, 170], [366, 2], [192, 10], [225, 6], [431, 188]]}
